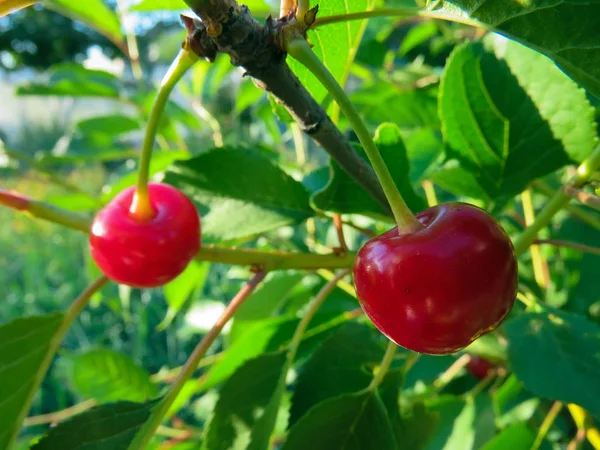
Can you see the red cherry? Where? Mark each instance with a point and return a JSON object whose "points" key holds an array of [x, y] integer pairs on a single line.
{"points": [[146, 253], [438, 289], [479, 367]]}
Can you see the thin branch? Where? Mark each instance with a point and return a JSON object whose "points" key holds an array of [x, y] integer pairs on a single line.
{"points": [[547, 424], [311, 311], [574, 245], [235, 256], [59, 416], [591, 200], [452, 371], [339, 228], [576, 211], [192, 363], [229, 28]]}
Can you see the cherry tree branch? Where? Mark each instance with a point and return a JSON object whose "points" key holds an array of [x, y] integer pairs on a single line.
{"points": [[229, 28]]}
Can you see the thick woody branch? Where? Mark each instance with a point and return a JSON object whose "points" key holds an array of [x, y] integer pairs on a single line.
{"points": [[229, 28]]}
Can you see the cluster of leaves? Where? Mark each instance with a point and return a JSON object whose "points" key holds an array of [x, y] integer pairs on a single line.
{"points": [[493, 120]]}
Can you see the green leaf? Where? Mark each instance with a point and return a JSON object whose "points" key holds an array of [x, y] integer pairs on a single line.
{"points": [[358, 421], [566, 347], [112, 124], [416, 429], [463, 424], [418, 35], [566, 32], [237, 416], [337, 367], [511, 120], [381, 102], [343, 195], [24, 345], [516, 437], [104, 427], [74, 80], [244, 193], [455, 179], [178, 291], [106, 376], [10, 6], [94, 13], [335, 44]]}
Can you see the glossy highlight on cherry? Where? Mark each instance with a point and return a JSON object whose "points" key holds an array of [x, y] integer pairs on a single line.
{"points": [[438, 289], [146, 253]]}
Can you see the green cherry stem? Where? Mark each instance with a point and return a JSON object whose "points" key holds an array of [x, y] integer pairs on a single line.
{"points": [[141, 207], [299, 49], [69, 317], [191, 364], [268, 260], [311, 311], [384, 366], [558, 201], [391, 12]]}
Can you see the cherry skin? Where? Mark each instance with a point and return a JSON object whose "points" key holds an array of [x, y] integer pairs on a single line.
{"points": [[480, 367], [146, 253], [438, 289]]}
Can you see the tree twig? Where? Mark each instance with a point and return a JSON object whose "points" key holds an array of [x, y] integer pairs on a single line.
{"points": [[229, 28], [339, 228], [587, 199], [192, 363], [574, 245]]}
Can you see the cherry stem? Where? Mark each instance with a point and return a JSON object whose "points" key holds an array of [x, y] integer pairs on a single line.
{"points": [[328, 275], [547, 424], [268, 260], [69, 317], [384, 366], [141, 206], [558, 201], [389, 12], [540, 268], [299, 49], [311, 310], [191, 364]]}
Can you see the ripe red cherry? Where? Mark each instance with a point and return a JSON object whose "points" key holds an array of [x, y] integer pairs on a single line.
{"points": [[479, 367], [438, 289], [146, 253]]}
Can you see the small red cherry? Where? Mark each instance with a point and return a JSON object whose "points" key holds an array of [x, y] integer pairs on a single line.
{"points": [[146, 253], [479, 367], [438, 289]]}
